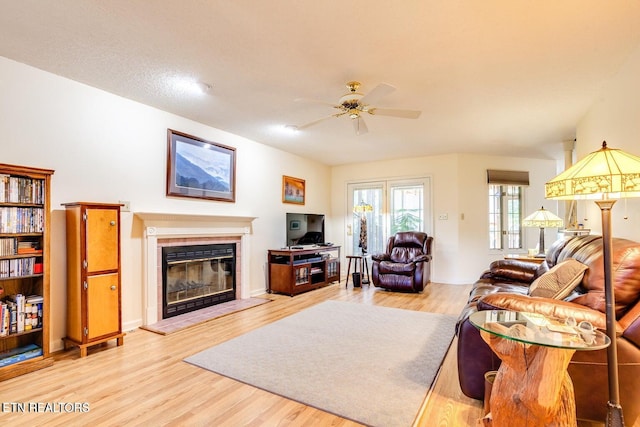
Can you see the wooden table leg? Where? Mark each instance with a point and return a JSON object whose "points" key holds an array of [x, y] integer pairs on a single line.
{"points": [[346, 283], [365, 272], [532, 387]]}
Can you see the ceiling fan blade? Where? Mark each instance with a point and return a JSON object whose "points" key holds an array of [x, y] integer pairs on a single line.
{"points": [[377, 93], [359, 126], [315, 122], [405, 114]]}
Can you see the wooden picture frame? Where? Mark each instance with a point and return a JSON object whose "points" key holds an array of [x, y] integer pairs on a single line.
{"points": [[293, 190], [200, 169]]}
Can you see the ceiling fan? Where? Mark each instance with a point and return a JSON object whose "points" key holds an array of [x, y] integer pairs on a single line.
{"points": [[354, 104]]}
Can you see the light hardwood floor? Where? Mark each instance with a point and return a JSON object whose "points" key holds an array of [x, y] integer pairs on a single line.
{"points": [[145, 382]]}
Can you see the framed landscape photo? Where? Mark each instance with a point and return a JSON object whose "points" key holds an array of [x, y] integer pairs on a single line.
{"points": [[200, 169], [292, 190]]}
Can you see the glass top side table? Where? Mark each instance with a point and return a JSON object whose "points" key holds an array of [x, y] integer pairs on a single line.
{"points": [[532, 386]]}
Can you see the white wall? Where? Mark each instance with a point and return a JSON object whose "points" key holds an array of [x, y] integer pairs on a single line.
{"points": [[614, 117], [459, 189], [105, 148]]}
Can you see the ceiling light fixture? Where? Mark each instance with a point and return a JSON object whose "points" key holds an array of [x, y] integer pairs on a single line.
{"points": [[203, 87], [189, 86]]}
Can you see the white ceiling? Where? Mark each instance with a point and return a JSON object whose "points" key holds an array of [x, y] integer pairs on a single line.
{"points": [[496, 76]]}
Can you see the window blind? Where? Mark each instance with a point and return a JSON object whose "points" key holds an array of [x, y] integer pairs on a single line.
{"points": [[507, 177]]}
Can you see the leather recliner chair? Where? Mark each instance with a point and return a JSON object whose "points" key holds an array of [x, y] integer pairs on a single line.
{"points": [[405, 266]]}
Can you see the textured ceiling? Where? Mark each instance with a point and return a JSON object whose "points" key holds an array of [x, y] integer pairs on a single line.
{"points": [[495, 76]]}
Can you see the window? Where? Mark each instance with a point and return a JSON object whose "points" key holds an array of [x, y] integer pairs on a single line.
{"points": [[367, 225], [396, 205], [505, 216], [407, 203]]}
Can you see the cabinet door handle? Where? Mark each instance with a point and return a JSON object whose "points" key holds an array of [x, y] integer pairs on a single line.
{"points": [[112, 223], [113, 287]]}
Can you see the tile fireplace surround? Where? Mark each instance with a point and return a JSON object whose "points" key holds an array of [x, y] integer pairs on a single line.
{"points": [[164, 229]]}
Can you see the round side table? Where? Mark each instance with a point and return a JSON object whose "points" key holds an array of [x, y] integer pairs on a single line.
{"points": [[532, 382], [360, 261]]}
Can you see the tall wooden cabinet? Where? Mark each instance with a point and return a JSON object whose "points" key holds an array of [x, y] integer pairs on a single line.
{"points": [[93, 275], [24, 269]]}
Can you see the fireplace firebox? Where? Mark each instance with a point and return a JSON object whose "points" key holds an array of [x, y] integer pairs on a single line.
{"points": [[197, 276]]}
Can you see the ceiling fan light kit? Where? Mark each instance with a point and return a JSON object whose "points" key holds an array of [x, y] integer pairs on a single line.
{"points": [[354, 103]]}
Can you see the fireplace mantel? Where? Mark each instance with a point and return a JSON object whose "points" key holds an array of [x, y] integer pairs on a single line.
{"points": [[191, 222], [159, 226]]}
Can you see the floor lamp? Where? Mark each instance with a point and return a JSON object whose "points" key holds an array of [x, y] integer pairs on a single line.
{"points": [[362, 208], [603, 176], [542, 219]]}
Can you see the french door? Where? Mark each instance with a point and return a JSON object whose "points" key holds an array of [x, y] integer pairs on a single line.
{"points": [[380, 209]]}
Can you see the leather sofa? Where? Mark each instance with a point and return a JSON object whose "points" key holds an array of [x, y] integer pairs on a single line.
{"points": [[505, 285], [405, 264]]}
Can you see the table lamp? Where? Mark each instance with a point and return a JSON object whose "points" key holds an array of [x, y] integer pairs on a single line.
{"points": [[542, 218], [603, 176]]}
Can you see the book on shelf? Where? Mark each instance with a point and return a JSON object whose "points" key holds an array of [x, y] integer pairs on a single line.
{"points": [[19, 267], [20, 314], [21, 219], [20, 189], [19, 354], [18, 300], [8, 246], [5, 318], [34, 315], [29, 247]]}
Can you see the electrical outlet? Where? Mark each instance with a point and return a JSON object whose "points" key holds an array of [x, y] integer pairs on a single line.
{"points": [[126, 206], [443, 216]]}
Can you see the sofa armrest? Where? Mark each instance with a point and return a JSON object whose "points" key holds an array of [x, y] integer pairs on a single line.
{"points": [[511, 269], [558, 309], [380, 257], [421, 258]]}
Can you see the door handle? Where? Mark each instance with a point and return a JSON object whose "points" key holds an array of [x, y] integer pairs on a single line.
{"points": [[113, 287]]}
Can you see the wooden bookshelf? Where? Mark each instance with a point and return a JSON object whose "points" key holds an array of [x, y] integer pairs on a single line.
{"points": [[24, 269]]}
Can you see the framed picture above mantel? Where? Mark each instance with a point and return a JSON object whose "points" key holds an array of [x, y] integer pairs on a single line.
{"points": [[293, 190], [200, 169]]}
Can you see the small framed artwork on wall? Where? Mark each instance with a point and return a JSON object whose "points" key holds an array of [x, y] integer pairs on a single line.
{"points": [[293, 190], [200, 169]]}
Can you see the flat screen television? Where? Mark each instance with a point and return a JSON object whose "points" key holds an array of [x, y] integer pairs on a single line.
{"points": [[305, 229]]}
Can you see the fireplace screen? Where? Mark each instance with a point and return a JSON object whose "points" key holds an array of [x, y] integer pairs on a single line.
{"points": [[197, 276]]}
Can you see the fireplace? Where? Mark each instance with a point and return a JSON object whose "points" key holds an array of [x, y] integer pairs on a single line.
{"points": [[197, 276], [170, 229]]}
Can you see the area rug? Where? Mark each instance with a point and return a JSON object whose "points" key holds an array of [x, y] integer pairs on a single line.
{"points": [[178, 323], [371, 364]]}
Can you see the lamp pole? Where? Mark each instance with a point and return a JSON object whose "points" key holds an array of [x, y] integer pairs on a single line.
{"points": [[614, 410]]}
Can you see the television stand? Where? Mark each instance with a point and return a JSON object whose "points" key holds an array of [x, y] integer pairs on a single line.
{"points": [[293, 271]]}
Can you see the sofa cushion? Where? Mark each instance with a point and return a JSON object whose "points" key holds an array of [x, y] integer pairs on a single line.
{"points": [[512, 269], [559, 281], [625, 258]]}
